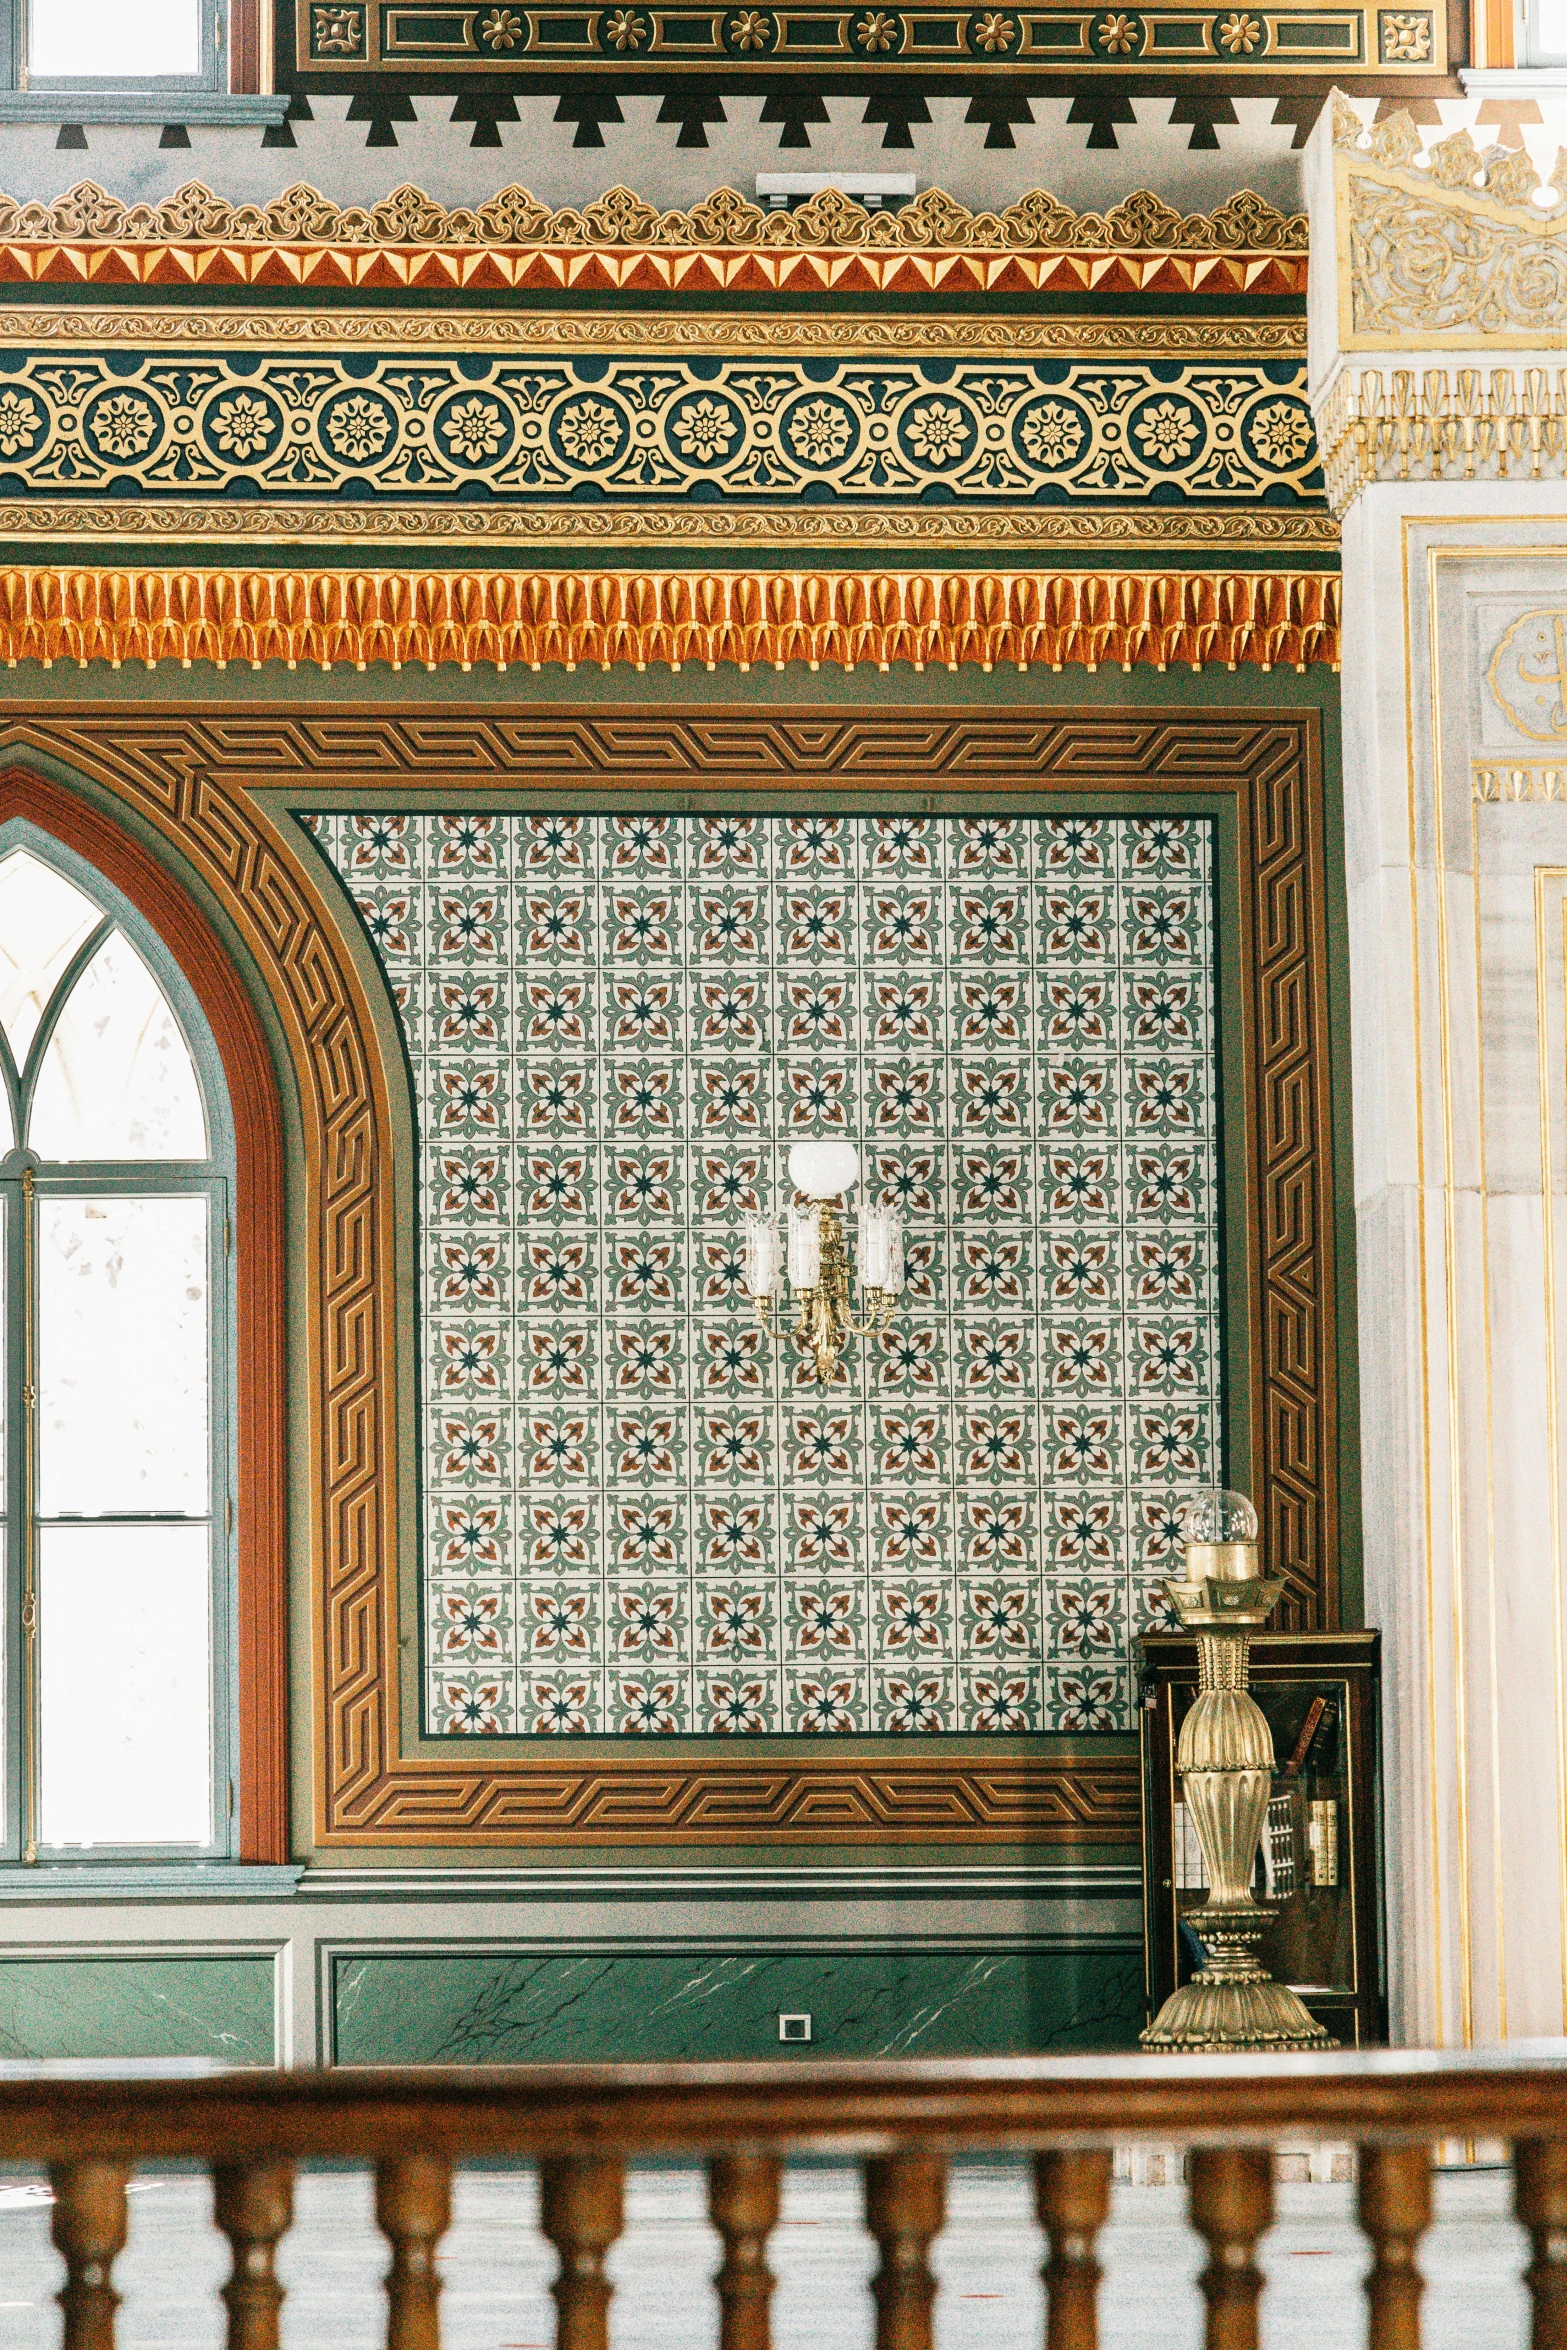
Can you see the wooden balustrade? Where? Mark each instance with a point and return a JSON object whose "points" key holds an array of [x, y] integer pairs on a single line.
{"points": [[581, 2124]]}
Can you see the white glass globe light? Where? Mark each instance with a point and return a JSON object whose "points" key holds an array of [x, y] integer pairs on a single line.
{"points": [[1215, 1515], [824, 1169]]}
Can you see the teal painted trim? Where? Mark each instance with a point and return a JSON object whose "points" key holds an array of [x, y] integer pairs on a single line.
{"points": [[105, 107], [506, 2007], [91, 1880], [980, 1880], [107, 2006]]}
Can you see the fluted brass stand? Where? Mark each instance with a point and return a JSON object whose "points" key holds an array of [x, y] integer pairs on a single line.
{"points": [[1225, 1758]]}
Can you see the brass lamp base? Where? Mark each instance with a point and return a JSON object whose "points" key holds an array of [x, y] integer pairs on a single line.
{"points": [[1233, 2002]]}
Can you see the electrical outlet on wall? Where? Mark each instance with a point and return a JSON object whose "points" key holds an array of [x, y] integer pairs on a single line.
{"points": [[794, 2027]]}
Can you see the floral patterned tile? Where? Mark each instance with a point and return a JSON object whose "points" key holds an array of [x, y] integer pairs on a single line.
{"points": [[643, 1516]]}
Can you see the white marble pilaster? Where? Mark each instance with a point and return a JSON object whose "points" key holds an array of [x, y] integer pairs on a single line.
{"points": [[1455, 779]]}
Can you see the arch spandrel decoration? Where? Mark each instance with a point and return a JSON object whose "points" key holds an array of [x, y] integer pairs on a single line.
{"points": [[217, 786]]}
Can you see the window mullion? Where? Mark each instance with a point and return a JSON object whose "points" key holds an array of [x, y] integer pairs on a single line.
{"points": [[27, 1514]]}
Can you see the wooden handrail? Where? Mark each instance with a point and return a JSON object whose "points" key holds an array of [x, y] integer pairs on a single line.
{"points": [[1026, 2104], [582, 2123]]}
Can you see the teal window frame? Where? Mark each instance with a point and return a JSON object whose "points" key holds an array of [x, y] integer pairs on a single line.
{"points": [[211, 75]]}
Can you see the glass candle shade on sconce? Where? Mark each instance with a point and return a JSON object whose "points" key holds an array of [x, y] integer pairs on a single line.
{"points": [[1225, 1759], [812, 1252]]}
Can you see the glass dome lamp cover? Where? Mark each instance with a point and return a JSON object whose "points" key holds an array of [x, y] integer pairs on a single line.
{"points": [[1215, 1517], [763, 1256], [822, 1168]]}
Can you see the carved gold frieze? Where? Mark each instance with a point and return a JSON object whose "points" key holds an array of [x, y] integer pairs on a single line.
{"points": [[644, 426], [1442, 424], [397, 614], [1456, 252], [933, 222]]}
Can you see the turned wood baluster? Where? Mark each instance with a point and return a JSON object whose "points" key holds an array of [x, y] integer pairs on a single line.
{"points": [[582, 2211], [742, 2203], [1072, 2197], [253, 2203], [1540, 2200], [1231, 2206], [905, 2204], [413, 2209], [88, 2228], [1395, 2212]]}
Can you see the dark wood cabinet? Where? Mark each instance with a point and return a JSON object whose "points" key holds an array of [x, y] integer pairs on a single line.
{"points": [[1319, 1867]]}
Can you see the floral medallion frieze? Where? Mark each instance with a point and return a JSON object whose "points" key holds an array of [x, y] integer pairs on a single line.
{"points": [[656, 425]]}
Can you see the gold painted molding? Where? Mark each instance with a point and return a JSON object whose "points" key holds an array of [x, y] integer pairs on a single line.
{"points": [[524, 619], [1523, 785], [372, 322], [407, 216], [484, 530]]}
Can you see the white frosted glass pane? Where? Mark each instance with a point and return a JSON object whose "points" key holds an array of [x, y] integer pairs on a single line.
{"points": [[122, 1356], [118, 1081], [1550, 28], [124, 1685], [43, 920], [76, 38]]}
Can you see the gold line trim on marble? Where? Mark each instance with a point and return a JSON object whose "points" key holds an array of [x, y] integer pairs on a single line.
{"points": [[1438, 2020], [1544, 1052], [1458, 1628]]}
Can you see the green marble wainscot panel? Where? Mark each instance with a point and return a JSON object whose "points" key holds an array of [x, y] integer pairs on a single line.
{"points": [[104, 2006], [502, 2007]]}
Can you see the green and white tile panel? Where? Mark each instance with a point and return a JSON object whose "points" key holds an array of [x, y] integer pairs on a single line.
{"points": [[641, 1513]]}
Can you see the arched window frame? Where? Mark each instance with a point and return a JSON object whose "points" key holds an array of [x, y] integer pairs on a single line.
{"points": [[28, 1180], [151, 873]]}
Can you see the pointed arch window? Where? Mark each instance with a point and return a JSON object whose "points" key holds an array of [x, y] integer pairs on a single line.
{"points": [[114, 1222]]}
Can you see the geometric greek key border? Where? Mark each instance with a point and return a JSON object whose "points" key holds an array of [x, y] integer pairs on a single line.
{"points": [[208, 780]]}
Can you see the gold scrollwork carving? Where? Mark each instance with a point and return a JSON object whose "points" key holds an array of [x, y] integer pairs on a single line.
{"points": [[1528, 675], [407, 216], [1436, 256], [696, 333], [876, 530]]}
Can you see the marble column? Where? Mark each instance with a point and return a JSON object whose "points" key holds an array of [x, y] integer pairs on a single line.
{"points": [[1439, 372]]}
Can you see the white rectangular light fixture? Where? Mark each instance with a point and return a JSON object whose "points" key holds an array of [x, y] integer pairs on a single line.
{"points": [[871, 188]]}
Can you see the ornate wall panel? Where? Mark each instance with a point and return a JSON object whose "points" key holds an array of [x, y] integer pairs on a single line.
{"points": [[218, 782], [640, 1512]]}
